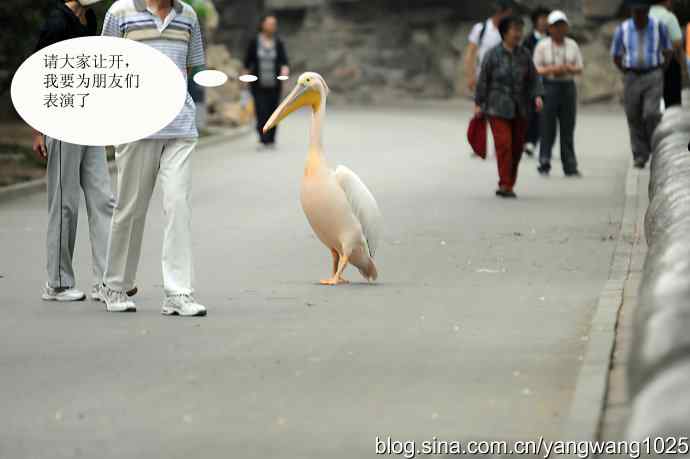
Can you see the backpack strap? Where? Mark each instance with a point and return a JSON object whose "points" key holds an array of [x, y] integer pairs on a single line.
{"points": [[481, 35]]}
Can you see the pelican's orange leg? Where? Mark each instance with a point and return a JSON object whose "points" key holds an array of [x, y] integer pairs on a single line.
{"points": [[339, 264]]}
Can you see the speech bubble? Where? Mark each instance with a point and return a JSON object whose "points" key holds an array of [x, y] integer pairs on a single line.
{"points": [[98, 90], [248, 78], [283, 77], [210, 78]]}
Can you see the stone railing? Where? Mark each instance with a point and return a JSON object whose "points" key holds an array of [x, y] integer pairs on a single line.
{"points": [[659, 370]]}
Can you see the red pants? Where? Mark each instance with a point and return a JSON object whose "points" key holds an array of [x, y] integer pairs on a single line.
{"points": [[509, 138]]}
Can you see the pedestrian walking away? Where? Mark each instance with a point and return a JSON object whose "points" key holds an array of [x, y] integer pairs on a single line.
{"points": [[483, 37], [508, 86], [164, 157], [266, 58], [71, 170], [673, 75], [540, 24], [558, 60], [641, 48]]}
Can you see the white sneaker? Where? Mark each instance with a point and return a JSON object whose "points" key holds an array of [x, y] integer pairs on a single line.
{"points": [[96, 294], [182, 305], [529, 148], [116, 301], [62, 294]]}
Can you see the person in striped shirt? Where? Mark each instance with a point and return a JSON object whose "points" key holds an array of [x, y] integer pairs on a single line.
{"points": [[171, 27], [641, 49]]}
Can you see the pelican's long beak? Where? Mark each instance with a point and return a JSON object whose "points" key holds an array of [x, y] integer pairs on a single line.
{"points": [[300, 96]]}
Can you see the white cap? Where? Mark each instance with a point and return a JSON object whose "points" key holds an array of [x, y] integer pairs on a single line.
{"points": [[557, 16], [88, 2]]}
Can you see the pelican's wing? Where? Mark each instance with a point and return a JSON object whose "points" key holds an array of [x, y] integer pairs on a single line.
{"points": [[363, 205]]}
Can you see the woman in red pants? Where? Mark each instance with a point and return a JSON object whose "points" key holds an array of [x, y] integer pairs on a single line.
{"points": [[508, 84]]}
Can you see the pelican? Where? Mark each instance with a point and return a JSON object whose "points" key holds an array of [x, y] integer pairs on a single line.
{"points": [[340, 208]]}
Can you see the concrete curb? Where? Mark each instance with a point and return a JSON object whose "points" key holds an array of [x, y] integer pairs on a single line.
{"points": [[586, 409], [11, 192]]}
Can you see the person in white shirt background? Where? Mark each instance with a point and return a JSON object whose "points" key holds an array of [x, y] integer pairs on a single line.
{"points": [[483, 37], [662, 11]]}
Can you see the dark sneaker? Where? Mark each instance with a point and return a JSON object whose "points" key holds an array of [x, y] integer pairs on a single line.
{"points": [[640, 163], [506, 194], [575, 174], [544, 169]]}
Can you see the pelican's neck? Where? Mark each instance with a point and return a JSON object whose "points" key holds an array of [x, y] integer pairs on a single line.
{"points": [[315, 158]]}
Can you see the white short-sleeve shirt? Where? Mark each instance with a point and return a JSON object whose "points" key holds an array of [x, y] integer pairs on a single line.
{"points": [[667, 18], [489, 40], [548, 53]]}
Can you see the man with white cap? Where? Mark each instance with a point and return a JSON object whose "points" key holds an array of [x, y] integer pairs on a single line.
{"points": [[72, 169], [558, 59]]}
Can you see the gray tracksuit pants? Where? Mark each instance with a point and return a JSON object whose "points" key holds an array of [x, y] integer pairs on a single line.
{"points": [[71, 169], [642, 98]]}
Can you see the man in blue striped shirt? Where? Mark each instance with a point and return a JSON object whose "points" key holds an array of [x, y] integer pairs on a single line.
{"points": [[641, 49]]}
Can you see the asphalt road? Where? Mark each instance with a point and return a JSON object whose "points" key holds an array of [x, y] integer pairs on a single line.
{"points": [[475, 331]]}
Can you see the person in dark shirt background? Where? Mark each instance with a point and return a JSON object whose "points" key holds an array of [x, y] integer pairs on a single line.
{"points": [[71, 169], [267, 59], [540, 29]]}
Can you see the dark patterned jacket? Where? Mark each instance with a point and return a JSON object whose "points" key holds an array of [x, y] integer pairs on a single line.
{"points": [[508, 83]]}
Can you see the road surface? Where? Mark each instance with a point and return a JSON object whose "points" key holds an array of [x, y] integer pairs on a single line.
{"points": [[475, 331]]}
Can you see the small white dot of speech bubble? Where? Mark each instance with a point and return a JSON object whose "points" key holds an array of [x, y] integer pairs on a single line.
{"points": [[248, 78], [210, 78]]}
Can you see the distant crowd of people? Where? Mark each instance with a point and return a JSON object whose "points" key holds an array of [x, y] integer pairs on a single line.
{"points": [[525, 87]]}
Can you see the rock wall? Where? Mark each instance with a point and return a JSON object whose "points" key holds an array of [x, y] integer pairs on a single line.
{"points": [[381, 50]]}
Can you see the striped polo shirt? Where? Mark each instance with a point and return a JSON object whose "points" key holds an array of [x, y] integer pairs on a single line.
{"points": [[641, 49], [178, 37]]}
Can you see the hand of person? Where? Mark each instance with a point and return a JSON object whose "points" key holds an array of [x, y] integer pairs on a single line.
{"points": [[558, 70], [539, 104], [285, 71], [477, 110], [39, 146], [472, 84], [572, 68]]}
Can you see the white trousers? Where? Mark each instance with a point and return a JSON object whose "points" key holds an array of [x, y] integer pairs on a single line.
{"points": [[139, 165]]}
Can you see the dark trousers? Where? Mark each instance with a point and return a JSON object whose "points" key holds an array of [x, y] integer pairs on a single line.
{"points": [[642, 99], [266, 100], [673, 84], [560, 112], [533, 128], [509, 138]]}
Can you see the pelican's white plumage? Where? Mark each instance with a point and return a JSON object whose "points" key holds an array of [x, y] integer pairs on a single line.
{"points": [[363, 205], [340, 208]]}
